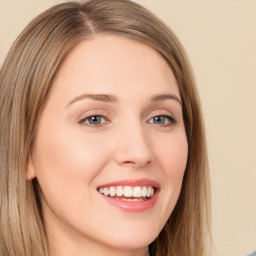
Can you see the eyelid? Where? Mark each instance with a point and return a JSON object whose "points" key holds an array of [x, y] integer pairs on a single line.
{"points": [[88, 117], [169, 116], [162, 111], [93, 113]]}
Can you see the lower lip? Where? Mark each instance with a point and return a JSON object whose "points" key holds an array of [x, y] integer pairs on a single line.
{"points": [[132, 206]]}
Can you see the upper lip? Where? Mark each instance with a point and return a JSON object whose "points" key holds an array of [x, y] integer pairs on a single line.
{"points": [[132, 183]]}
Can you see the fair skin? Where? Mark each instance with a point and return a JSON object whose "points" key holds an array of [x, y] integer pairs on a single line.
{"points": [[114, 118]]}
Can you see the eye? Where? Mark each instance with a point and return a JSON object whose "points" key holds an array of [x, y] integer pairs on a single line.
{"points": [[93, 120], [164, 120]]}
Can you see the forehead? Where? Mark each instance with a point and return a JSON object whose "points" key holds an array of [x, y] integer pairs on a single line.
{"points": [[113, 62]]}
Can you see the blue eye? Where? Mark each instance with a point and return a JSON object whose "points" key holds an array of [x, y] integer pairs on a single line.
{"points": [[164, 120], [93, 120]]}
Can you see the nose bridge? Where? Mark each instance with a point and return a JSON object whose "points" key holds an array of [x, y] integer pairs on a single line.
{"points": [[133, 145]]}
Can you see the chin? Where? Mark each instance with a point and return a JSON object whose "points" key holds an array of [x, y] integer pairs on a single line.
{"points": [[132, 240]]}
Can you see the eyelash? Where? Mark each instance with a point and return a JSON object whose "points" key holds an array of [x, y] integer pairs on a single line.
{"points": [[171, 120], [86, 121]]}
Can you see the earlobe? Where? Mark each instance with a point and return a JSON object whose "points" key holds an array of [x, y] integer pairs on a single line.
{"points": [[31, 172]]}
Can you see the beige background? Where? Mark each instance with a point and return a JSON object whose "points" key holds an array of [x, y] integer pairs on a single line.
{"points": [[220, 37]]}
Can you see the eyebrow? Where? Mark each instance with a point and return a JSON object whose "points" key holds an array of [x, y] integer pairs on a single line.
{"points": [[162, 97], [96, 97], [112, 99]]}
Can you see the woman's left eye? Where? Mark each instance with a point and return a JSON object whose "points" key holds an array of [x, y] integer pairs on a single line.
{"points": [[93, 120], [164, 120]]}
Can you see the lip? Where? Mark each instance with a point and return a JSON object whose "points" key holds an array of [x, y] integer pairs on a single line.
{"points": [[136, 206], [132, 183]]}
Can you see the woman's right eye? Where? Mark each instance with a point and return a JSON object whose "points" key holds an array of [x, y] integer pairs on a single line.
{"points": [[93, 120]]}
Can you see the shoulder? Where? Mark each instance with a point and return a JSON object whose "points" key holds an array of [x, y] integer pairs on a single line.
{"points": [[252, 254]]}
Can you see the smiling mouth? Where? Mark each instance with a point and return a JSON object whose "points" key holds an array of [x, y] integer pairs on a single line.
{"points": [[128, 193]]}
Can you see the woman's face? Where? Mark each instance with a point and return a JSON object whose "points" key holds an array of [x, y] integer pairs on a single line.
{"points": [[111, 149]]}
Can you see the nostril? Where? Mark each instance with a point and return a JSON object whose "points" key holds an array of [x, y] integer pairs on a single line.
{"points": [[139, 163]]}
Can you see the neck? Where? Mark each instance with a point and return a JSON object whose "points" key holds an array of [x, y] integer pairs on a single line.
{"points": [[59, 247], [96, 251]]}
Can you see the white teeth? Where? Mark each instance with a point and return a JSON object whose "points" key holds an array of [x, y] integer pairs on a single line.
{"points": [[106, 191], [149, 192], [127, 191], [136, 192], [144, 191], [119, 191], [101, 190], [112, 191], [132, 200]]}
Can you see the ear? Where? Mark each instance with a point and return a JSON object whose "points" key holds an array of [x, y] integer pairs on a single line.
{"points": [[31, 171]]}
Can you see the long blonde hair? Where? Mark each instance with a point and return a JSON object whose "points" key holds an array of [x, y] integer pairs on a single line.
{"points": [[25, 82]]}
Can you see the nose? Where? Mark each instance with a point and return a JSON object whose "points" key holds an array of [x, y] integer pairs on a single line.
{"points": [[133, 147]]}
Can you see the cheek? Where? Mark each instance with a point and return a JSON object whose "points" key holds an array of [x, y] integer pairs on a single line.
{"points": [[66, 164], [66, 167], [67, 154], [173, 155], [173, 159]]}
